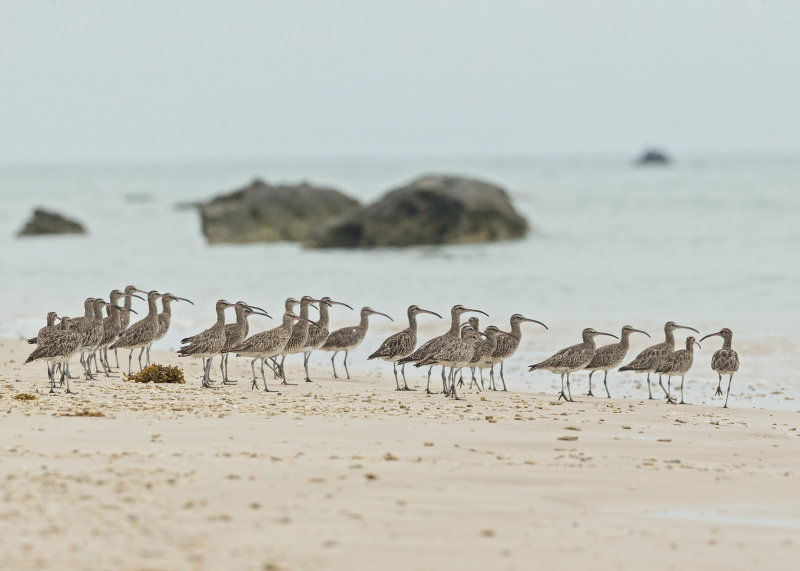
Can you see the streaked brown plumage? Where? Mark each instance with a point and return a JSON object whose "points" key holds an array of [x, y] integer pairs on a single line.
{"points": [[209, 343], [455, 353], [400, 345], [678, 364], [58, 348], [348, 338], [651, 358], [47, 329], [571, 359], [318, 332], [507, 345], [725, 361], [235, 333], [610, 356], [140, 334]]}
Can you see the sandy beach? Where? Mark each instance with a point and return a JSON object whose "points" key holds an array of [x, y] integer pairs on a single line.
{"points": [[342, 474]]}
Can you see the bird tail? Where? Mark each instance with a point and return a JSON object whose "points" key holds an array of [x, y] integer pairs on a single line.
{"points": [[534, 366], [32, 340], [625, 368]]}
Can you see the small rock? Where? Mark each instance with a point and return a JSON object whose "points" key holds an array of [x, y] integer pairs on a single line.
{"points": [[46, 222]]}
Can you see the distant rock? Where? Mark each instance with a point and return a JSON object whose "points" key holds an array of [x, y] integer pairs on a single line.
{"points": [[265, 213], [45, 222], [653, 157], [435, 209]]}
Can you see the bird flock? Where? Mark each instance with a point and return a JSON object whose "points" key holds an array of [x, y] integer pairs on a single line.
{"points": [[462, 346]]}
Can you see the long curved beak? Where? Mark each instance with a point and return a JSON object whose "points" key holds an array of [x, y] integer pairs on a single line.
{"points": [[431, 312], [386, 316], [126, 309], [183, 299], [640, 331], [609, 334], [132, 295], [255, 307], [340, 303], [477, 311], [697, 343], [534, 321], [687, 327], [298, 318], [140, 291], [264, 313], [711, 335]]}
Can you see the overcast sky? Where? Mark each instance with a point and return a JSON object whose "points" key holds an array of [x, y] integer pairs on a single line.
{"points": [[213, 79]]}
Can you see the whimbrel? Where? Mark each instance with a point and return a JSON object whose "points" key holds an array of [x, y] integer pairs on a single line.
{"points": [[482, 356], [318, 332], [299, 335], [140, 334], [507, 345], [610, 356], [432, 345], [400, 345], [58, 348], [725, 361], [164, 319], [93, 336], [456, 352], [235, 333], [571, 359], [111, 328], [651, 358], [348, 338], [51, 326], [209, 343], [125, 316], [678, 363], [267, 344]]}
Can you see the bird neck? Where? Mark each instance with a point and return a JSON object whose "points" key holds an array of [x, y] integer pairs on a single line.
{"points": [[323, 320], [670, 338], [51, 320], [152, 308], [364, 323], [624, 340], [220, 316], [128, 302], [726, 343], [166, 306], [412, 321], [455, 323], [589, 342], [516, 329]]}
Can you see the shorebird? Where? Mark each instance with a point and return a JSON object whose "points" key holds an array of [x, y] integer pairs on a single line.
{"points": [[610, 356], [678, 363], [235, 333], [725, 361], [112, 324], [507, 345], [82, 325], [93, 337], [651, 358], [348, 338], [125, 316], [57, 349], [51, 326], [456, 352], [432, 345], [164, 319], [482, 356], [571, 359], [318, 333], [400, 345], [299, 335], [140, 334], [267, 344], [209, 343]]}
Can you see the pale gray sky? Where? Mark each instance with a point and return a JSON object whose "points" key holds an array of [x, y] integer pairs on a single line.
{"points": [[198, 78]]}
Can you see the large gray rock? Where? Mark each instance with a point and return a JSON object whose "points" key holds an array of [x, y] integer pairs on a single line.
{"points": [[654, 157], [435, 209], [45, 222], [265, 213]]}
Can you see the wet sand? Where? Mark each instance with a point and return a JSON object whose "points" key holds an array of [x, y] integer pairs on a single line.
{"points": [[342, 474]]}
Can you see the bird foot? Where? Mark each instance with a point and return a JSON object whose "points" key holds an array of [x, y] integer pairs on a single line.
{"points": [[309, 381], [671, 400], [561, 395], [590, 394], [460, 383], [69, 392], [683, 402], [407, 389], [288, 384], [718, 393]]}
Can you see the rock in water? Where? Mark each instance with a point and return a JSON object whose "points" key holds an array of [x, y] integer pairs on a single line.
{"points": [[266, 213], [435, 209], [653, 157], [44, 222]]}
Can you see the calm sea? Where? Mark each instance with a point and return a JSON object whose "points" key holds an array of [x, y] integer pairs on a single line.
{"points": [[711, 241]]}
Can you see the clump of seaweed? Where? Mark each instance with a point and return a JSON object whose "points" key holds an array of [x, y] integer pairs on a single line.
{"points": [[25, 396], [84, 412], [157, 374]]}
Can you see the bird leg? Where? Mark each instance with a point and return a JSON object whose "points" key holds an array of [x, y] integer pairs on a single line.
{"points": [[719, 386], [396, 380], [682, 401], [589, 394], [141, 352], [460, 378], [69, 375], [346, 352], [453, 383], [305, 365], [116, 358], [649, 392], [730, 380], [428, 388], [147, 357], [445, 389], [130, 357], [605, 384], [51, 377], [405, 384], [266, 389], [333, 364], [562, 394], [491, 379], [481, 373], [283, 372], [502, 378], [670, 400], [569, 392]]}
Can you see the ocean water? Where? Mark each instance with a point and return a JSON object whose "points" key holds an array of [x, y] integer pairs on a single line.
{"points": [[710, 242]]}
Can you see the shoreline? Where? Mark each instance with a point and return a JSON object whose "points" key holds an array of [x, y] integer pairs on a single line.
{"points": [[339, 474]]}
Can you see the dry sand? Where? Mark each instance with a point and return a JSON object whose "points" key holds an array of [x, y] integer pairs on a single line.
{"points": [[351, 474]]}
